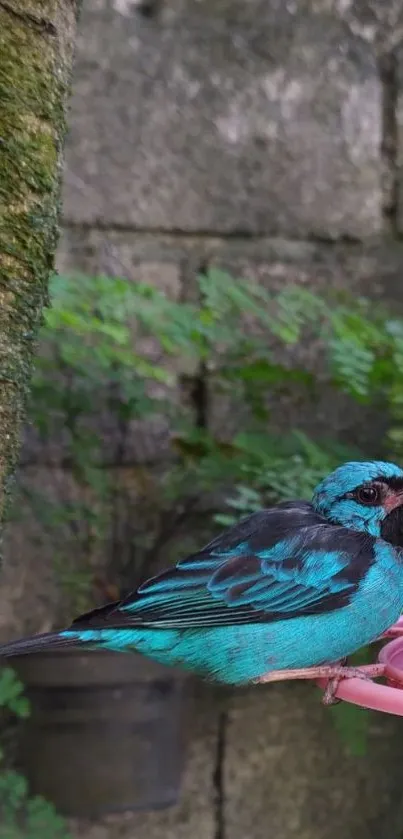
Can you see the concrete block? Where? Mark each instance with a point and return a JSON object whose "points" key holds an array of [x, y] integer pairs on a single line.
{"points": [[224, 117]]}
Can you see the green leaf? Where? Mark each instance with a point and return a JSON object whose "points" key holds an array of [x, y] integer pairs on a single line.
{"points": [[11, 693]]}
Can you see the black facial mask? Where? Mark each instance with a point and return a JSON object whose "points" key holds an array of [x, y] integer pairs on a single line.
{"points": [[392, 528]]}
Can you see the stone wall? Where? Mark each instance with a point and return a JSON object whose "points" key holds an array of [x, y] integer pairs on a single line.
{"points": [[266, 136]]}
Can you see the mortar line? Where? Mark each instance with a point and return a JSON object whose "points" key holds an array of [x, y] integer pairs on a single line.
{"points": [[220, 235], [218, 777], [387, 66]]}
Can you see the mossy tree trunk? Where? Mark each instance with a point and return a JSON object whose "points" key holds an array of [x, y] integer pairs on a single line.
{"points": [[36, 53]]}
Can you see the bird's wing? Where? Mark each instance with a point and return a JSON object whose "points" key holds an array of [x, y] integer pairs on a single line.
{"points": [[280, 563]]}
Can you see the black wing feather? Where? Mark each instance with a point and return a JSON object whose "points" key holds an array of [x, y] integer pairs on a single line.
{"points": [[277, 564]]}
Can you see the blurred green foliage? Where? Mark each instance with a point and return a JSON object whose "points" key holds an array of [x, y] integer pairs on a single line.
{"points": [[91, 363], [22, 816]]}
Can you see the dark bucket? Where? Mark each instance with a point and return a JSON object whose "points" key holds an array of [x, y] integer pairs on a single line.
{"points": [[106, 731]]}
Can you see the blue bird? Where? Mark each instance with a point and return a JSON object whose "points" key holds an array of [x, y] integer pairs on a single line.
{"points": [[289, 592]]}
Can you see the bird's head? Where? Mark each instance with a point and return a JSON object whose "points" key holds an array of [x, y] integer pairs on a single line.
{"points": [[364, 496]]}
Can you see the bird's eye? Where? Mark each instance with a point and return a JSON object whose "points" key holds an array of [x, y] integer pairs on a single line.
{"points": [[368, 495]]}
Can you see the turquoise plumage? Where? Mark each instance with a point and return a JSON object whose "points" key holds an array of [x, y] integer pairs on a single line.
{"points": [[290, 588]]}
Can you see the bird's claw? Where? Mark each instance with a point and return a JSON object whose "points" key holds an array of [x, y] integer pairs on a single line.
{"points": [[329, 696], [365, 672]]}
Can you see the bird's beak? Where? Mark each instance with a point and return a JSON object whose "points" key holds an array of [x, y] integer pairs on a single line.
{"points": [[394, 500]]}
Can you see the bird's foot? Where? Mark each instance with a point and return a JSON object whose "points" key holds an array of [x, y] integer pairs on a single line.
{"points": [[333, 672], [365, 671], [329, 696]]}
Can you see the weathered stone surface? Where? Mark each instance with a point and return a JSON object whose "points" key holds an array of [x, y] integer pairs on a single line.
{"points": [[378, 22], [288, 774], [223, 117], [399, 133], [194, 817], [285, 772], [150, 259], [31, 591]]}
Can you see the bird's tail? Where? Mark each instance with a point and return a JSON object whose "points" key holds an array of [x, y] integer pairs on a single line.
{"points": [[38, 643]]}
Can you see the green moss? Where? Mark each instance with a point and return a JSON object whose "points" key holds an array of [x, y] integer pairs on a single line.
{"points": [[33, 86]]}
